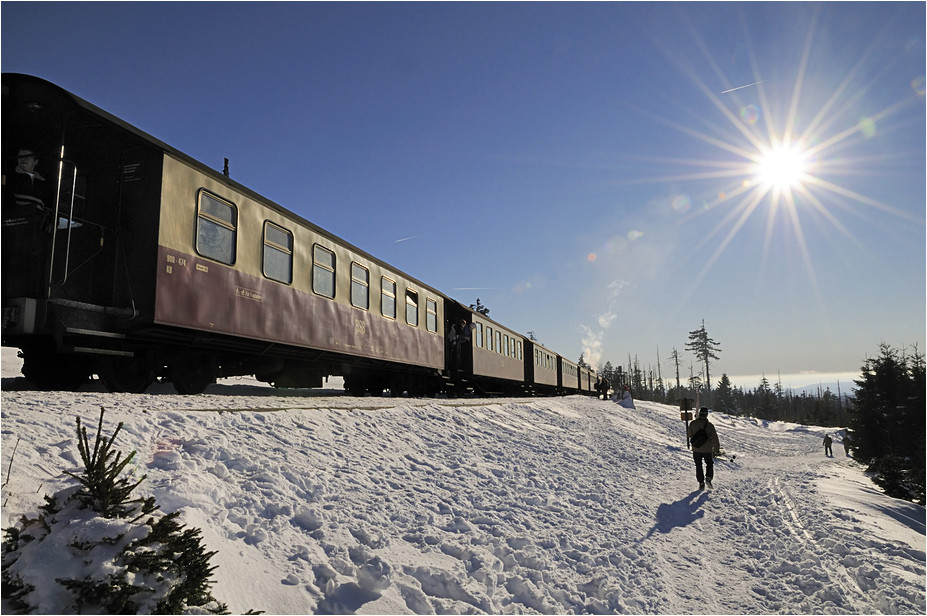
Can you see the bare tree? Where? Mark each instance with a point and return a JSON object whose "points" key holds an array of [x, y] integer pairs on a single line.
{"points": [[705, 350]]}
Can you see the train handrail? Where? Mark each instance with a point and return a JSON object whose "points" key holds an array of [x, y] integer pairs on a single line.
{"points": [[55, 218]]}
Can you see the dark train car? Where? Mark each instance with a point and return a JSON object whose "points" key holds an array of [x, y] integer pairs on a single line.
{"points": [[79, 237], [493, 361], [133, 261], [587, 380]]}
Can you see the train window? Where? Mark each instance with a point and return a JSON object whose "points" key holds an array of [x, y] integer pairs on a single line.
{"points": [[411, 307], [489, 338], [479, 335], [520, 356], [278, 253], [216, 228], [388, 298], [360, 286], [431, 315], [506, 346], [498, 341], [323, 271]]}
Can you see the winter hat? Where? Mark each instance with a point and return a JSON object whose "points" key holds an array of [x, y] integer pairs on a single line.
{"points": [[703, 412]]}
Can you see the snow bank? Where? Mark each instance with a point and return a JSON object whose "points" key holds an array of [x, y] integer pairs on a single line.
{"points": [[335, 504]]}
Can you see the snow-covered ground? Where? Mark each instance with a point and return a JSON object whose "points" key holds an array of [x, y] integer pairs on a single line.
{"points": [[317, 502]]}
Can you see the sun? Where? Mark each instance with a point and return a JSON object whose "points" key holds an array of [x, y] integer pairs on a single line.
{"points": [[782, 168], [787, 154]]}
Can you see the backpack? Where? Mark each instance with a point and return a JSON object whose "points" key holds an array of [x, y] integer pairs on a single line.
{"points": [[700, 437]]}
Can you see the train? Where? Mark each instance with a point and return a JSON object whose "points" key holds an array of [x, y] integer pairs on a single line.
{"points": [[128, 261]]}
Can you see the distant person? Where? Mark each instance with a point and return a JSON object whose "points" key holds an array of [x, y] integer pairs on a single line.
{"points": [[828, 449], [458, 338], [846, 443], [603, 387], [26, 183], [25, 220], [705, 445], [626, 400], [29, 193]]}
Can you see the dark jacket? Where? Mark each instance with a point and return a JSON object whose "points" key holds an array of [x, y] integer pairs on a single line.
{"points": [[712, 444]]}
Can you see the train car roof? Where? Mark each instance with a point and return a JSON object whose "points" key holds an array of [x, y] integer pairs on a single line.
{"points": [[52, 95]]}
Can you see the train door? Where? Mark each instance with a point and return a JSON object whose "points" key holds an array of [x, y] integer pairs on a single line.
{"points": [[104, 241], [458, 327], [80, 199]]}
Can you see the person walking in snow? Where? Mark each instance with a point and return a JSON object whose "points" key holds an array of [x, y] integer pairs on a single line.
{"points": [[846, 443], [705, 445], [828, 449]]}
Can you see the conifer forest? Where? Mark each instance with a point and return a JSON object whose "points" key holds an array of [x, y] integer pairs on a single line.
{"points": [[883, 410]]}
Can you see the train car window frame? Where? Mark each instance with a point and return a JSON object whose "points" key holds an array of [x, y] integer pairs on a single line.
{"points": [[277, 261], [360, 286], [388, 297], [520, 355], [411, 307], [489, 338], [323, 273], [498, 341], [216, 230], [431, 315], [479, 335]]}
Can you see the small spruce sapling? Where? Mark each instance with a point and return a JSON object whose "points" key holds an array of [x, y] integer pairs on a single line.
{"points": [[118, 562]]}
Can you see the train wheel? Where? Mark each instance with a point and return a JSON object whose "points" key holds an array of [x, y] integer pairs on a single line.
{"points": [[51, 371], [355, 386], [131, 376], [378, 385], [190, 382], [191, 375]]}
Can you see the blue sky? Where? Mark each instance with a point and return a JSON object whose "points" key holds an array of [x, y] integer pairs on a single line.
{"points": [[586, 170]]}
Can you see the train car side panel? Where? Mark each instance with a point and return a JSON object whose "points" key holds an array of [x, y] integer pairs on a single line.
{"points": [[236, 298], [497, 351], [569, 375], [545, 367]]}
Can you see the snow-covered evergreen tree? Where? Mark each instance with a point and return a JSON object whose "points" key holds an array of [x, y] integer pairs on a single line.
{"points": [[112, 554], [887, 421]]}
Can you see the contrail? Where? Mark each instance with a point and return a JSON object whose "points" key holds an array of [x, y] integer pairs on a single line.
{"points": [[476, 289], [405, 239], [742, 87]]}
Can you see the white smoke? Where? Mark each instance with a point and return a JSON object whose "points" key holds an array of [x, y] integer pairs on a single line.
{"points": [[593, 338]]}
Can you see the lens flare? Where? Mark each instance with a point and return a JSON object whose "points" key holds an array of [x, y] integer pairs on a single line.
{"points": [[682, 204], [867, 128], [919, 85], [750, 114]]}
